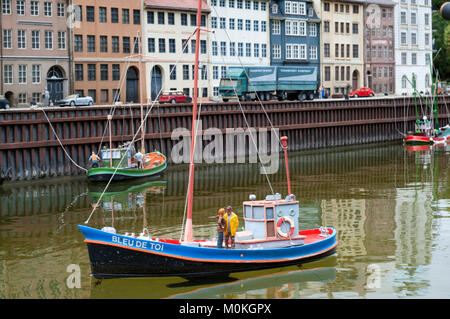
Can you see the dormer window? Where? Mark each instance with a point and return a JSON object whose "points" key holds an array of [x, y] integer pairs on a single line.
{"points": [[275, 8]]}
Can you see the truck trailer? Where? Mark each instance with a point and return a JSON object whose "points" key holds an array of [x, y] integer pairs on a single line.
{"points": [[266, 82]]}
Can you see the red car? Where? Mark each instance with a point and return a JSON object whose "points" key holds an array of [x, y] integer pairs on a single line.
{"points": [[362, 92], [174, 97]]}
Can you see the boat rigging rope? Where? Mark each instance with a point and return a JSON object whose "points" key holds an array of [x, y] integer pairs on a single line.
{"points": [[59, 141], [251, 135], [149, 109]]}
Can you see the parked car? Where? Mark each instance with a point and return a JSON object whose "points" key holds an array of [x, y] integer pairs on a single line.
{"points": [[362, 92], [75, 100], [174, 97], [4, 103]]}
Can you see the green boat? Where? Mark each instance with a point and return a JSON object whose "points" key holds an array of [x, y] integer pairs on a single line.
{"points": [[119, 164]]}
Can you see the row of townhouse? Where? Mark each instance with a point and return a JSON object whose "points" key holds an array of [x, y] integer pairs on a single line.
{"points": [[112, 50]]}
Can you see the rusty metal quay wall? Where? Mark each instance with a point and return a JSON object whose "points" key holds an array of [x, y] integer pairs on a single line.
{"points": [[29, 149]]}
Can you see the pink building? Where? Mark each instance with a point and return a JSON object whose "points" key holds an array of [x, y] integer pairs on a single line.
{"points": [[35, 50], [379, 57]]}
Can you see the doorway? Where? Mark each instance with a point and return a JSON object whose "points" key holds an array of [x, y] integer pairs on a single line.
{"points": [[155, 82], [132, 94]]}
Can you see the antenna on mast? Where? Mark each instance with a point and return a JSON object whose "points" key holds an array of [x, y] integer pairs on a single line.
{"points": [[284, 144]]}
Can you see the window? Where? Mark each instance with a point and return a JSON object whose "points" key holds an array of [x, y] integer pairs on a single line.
{"points": [[115, 47], [326, 50], [276, 51], [126, 45], [115, 69], [22, 74], [61, 40], [248, 25], [48, 40], [223, 23], [355, 28], [312, 30], [8, 74], [20, 7], [355, 9], [104, 72], [413, 58], [355, 51], [404, 80], [185, 72], [125, 16], [275, 27], [6, 6], [151, 45], [173, 72], [223, 48], [403, 38], [240, 24], [21, 39], [137, 16], [215, 72], [170, 18], [34, 8], [193, 44], [78, 43], [183, 18], [427, 19], [161, 18], [313, 52], [184, 46], [413, 18], [35, 39], [231, 23], [274, 8], [90, 14], [162, 45], [263, 26], [194, 20], [327, 73], [336, 50], [240, 49], [172, 46], [255, 25], [326, 26], [214, 48], [91, 43], [102, 15], [248, 49], [256, 50], [336, 73], [203, 47], [150, 17], [91, 72], [78, 72], [7, 39], [47, 9], [114, 15], [404, 58], [214, 22], [264, 50]]}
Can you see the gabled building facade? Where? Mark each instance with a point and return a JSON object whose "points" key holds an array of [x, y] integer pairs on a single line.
{"points": [[413, 46], [294, 33], [106, 39], [341, 42], [379, 44], [35, 51], [240, 38], [169, 47]]}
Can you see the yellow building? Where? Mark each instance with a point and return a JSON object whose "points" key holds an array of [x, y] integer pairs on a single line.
{"points": [[341, 45]]}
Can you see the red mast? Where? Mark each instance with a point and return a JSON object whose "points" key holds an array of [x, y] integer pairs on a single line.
{"points": [[188, 236], [284, 143]]}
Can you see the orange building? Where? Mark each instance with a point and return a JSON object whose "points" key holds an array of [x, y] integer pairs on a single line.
{"points": [[106, 50]]}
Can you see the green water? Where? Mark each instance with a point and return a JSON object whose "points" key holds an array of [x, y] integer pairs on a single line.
{"points": [[390, 206]]}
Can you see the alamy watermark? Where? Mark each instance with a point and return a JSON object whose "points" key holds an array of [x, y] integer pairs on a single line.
{"points": [[231, 145], [74, 279]]}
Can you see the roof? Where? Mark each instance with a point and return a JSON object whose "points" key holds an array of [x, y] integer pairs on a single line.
{"points": [[381, 2], [178, 5]]}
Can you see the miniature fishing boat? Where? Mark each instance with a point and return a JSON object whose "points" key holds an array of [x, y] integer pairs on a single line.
{"points": [[270, 238], [119, 164]]}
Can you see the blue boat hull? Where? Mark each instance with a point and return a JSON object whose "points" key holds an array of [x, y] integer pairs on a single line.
{"points": [[113, 255]]}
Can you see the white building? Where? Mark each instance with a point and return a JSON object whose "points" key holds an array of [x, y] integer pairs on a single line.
{"points": [[413, 46], [169, 47], [240, 38]]}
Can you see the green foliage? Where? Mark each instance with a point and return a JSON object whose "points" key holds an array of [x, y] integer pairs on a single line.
{"points": [[441, 37]]}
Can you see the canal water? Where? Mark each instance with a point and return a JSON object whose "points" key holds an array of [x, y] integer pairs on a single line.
{"points": [[390, 206]]}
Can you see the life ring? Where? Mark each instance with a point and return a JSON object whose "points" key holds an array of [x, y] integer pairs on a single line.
{"points": [[281, 221]]}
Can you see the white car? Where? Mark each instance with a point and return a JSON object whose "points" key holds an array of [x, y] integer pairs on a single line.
{"points": [[75, 100]]}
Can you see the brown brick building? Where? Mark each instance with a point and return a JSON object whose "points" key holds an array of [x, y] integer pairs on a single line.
{"points": [[106, 50]]}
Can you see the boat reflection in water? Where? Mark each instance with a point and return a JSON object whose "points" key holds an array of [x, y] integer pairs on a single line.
{"points": [[281, 283], [124, 196]]}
